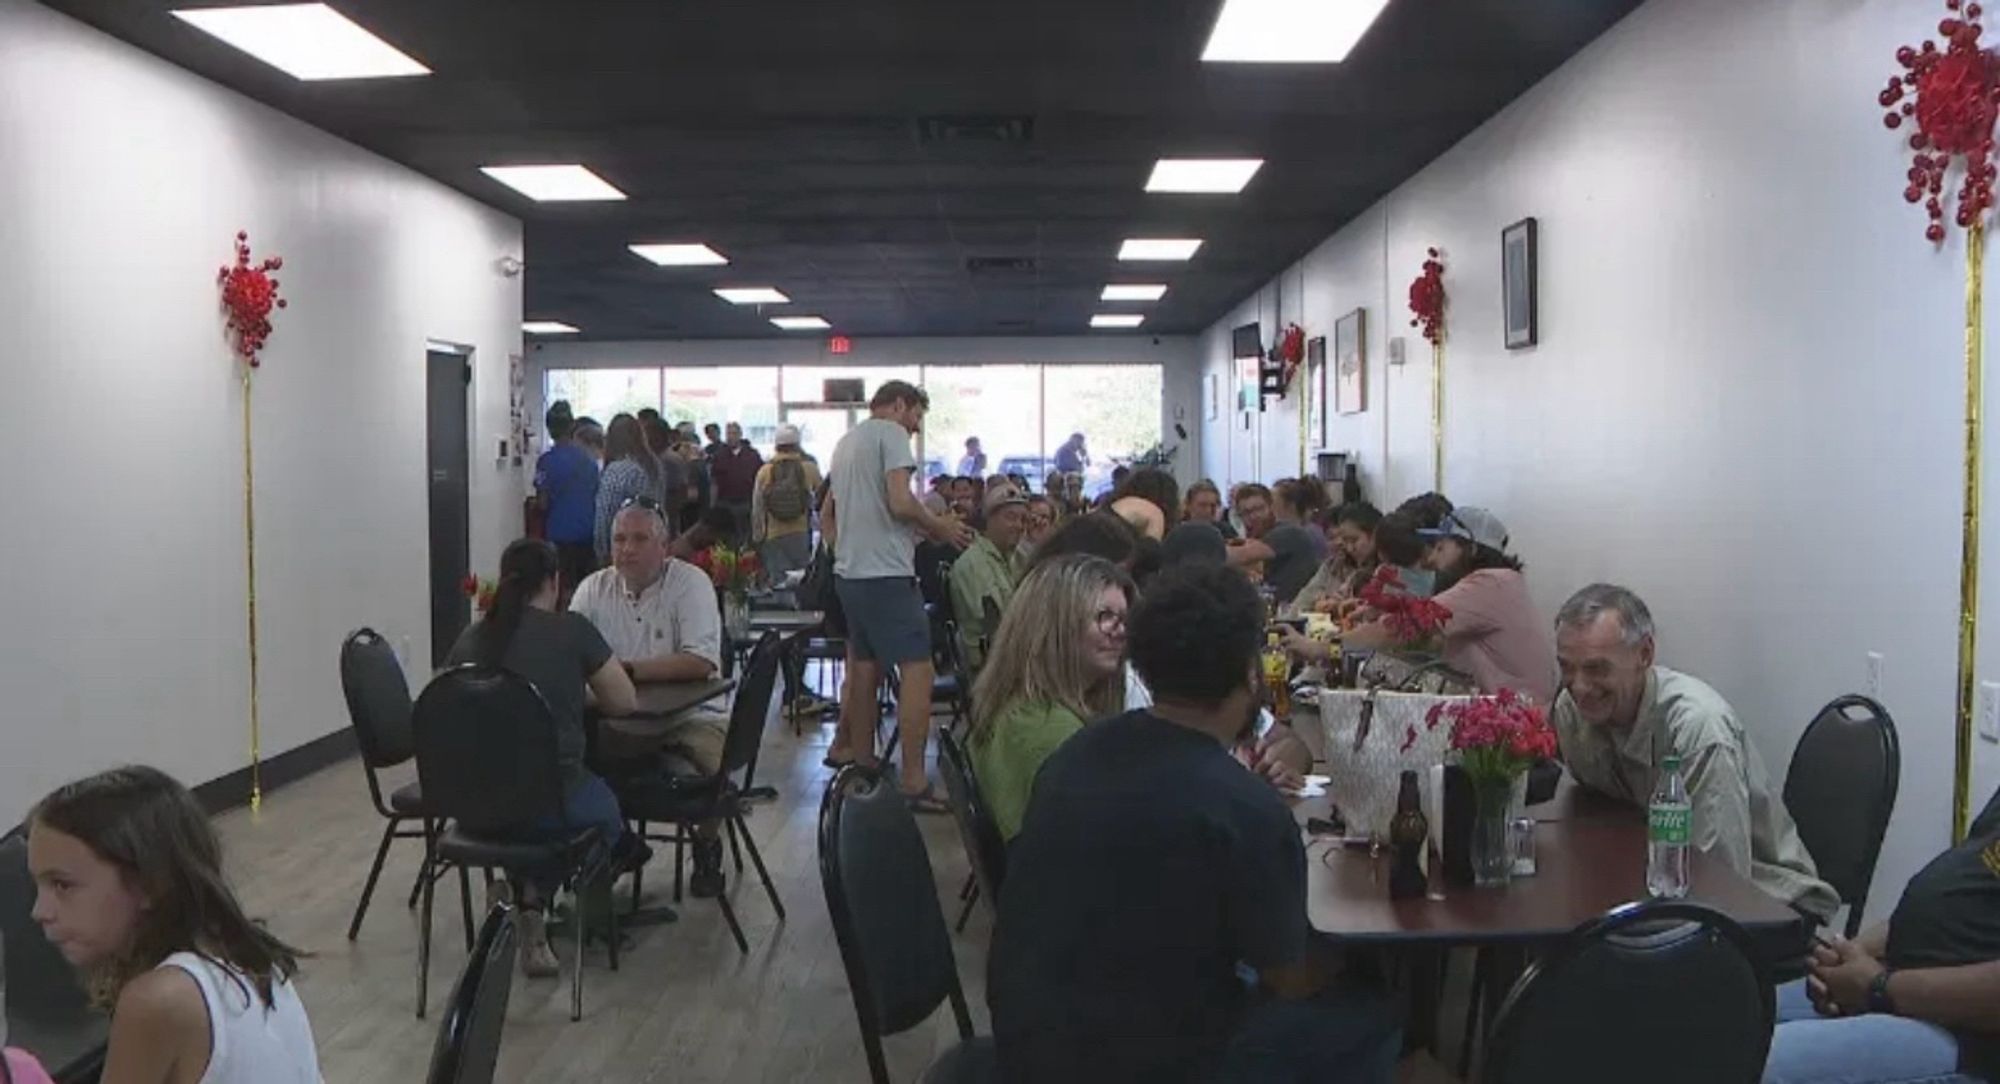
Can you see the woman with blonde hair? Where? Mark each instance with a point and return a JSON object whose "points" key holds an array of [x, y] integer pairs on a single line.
{"points": [[1056, 663]]}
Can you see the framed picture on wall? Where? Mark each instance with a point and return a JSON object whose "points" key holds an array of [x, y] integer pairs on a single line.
{"points": [[1350, 362], [1316, 391], [1518, 272], [1212, 400], [1248, 397]]}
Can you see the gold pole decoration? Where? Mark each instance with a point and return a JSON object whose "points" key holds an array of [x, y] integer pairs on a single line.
{"points": [[250, 563], [1437, 415], [1968, 568]]}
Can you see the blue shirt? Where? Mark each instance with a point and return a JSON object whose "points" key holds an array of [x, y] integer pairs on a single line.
{"points": [[568, 475]]}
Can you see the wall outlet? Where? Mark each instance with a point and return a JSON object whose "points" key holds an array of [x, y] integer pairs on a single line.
{"points": [[1989, 711], [1875, 675]]}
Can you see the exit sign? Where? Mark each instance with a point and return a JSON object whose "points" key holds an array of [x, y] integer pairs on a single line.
{"points": [[839, 344]]}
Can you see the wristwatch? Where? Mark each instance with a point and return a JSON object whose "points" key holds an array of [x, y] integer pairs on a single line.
{"points": [[1879, 1000]]}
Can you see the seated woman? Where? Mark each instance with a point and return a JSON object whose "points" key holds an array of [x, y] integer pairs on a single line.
{"points": [[130, 889], [1149, 500], [1352, 562], [1056, 664], [562, 654]]}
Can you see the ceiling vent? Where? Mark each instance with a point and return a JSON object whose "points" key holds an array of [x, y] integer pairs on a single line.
{"points": [[997, 128], [1000, 265]]}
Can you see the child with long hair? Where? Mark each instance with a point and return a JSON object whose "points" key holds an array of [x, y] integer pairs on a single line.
{"points": [[129, 888], [1057, 663]]}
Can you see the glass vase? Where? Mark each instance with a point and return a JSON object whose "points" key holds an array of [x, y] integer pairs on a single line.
{"points": [[736, 615], [1492, 843]]}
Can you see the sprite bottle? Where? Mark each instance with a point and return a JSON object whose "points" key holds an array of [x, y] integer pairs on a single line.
{"points": [[1669, 823]]}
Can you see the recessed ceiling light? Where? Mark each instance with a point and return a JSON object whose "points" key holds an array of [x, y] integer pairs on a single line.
{"points": [[1224, 175], [752, 295], [801, 323], [1290, 31], [547, 327], [681, 255], [305, 41], [1133, 292], [1117, 319], [1159, 249], [553, 184]]}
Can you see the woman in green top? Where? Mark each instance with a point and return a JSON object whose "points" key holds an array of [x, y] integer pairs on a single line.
{"points": [[1056, 663]]}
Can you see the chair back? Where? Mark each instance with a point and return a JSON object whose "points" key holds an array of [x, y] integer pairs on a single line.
{"points": [[752, 707], [977, 829], [468, 1043], [1667, 992], [1841, 789], [883, 900], [42, 987], [486, 750], [378, 699]]}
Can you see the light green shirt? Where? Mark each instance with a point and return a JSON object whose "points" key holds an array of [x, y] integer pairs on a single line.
{"points": [[1006, 762], [1737, 817], [980, 573]]}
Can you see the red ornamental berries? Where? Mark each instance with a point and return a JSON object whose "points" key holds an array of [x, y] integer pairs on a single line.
{"points": [[1427, 298], [248, 295], [1955, 104]]}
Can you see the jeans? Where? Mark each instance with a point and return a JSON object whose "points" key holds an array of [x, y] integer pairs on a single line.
{"points": [[1874, 1049], [1344, 1036], [589, 804]]}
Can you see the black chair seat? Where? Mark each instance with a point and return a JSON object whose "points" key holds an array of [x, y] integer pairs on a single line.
{"points": [[944, 687], [974, 1061], [477, 849], [408, 800], [670, 797]]}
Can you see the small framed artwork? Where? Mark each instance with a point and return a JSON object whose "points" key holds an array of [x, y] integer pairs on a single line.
{"points": [[1350, 362], [1213, 400], [1316, 391], [1249, 396], [1518, 272]]}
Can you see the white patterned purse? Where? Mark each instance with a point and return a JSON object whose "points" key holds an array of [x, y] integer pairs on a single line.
{"points": [[1372, 737]]}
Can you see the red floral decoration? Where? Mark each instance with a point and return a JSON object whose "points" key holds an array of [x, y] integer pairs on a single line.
{"points": [[1427, 298], [1411, 620], [1953, 96], [1290, 352], [1497, 737], [249, 293], [479, 590], [731, 570]]}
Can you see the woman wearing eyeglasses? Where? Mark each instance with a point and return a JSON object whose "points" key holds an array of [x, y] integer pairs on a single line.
{"points": [[1056, 663], [630, 472]]}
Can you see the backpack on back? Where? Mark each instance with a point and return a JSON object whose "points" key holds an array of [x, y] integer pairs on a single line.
{"points": [[788, 497]]}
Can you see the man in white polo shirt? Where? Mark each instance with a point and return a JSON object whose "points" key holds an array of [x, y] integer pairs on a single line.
{"points": [[660, 616]]}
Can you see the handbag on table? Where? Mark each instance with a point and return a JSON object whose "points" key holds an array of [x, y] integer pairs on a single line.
{"points": [[1374, 734]]}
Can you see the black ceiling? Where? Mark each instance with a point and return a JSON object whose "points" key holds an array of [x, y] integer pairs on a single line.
{"points": [[799, 138]]}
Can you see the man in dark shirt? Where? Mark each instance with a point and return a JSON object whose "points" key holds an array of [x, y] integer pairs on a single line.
{"points": [[1152, 869], [1290, 549], [1914, 998], [735, 469]]}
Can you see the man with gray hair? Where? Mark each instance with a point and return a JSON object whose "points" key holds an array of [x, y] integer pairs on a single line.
{"points": [[1619, 716]]}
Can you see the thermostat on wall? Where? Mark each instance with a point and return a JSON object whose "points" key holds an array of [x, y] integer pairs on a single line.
{"points": [[1397, 355]]}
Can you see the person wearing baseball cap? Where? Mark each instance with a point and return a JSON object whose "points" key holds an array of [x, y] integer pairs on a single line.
{"points": [[1495, 634], [781, 507], [988, 571]]}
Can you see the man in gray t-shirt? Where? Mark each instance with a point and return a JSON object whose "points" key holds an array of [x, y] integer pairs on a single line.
{"points": [[872, 519]]}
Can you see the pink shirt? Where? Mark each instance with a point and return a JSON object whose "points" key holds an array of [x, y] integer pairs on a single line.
{"points": [[1496, 635], [24, 1069]]}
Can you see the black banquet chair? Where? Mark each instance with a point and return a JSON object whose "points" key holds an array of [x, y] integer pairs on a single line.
{"points": [[1650, 993], [1840, 791], [882, 898], [985, 850], [378, 710], [686, 801], [47, 1006], [486, 756], [468, 1042]]}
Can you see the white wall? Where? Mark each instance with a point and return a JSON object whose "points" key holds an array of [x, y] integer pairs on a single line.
{"points": [[1177, 356], [1747, 399], [122, 182]]}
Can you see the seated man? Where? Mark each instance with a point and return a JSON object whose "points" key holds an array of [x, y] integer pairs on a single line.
{"points": [[1618, 716], [1916, 998], [660, 615], [1151, 867], [988, 570]]}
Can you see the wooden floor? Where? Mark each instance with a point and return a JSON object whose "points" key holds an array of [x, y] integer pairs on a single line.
{"points": [[685, 1006]]}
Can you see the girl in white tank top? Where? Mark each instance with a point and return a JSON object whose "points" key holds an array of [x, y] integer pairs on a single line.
{"points": [[129, 887]]}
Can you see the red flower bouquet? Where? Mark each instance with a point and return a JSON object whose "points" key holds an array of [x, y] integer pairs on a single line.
{"points": [[1497, 737], [480, 590], [1411, 620], [733, 571], [249, 293], [1427, 298]]}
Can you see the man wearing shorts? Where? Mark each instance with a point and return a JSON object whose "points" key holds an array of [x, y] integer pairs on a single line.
{"points": [[872, 519]]}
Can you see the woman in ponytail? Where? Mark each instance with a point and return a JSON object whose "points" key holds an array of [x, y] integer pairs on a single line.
{"points": [[562, 653]]}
